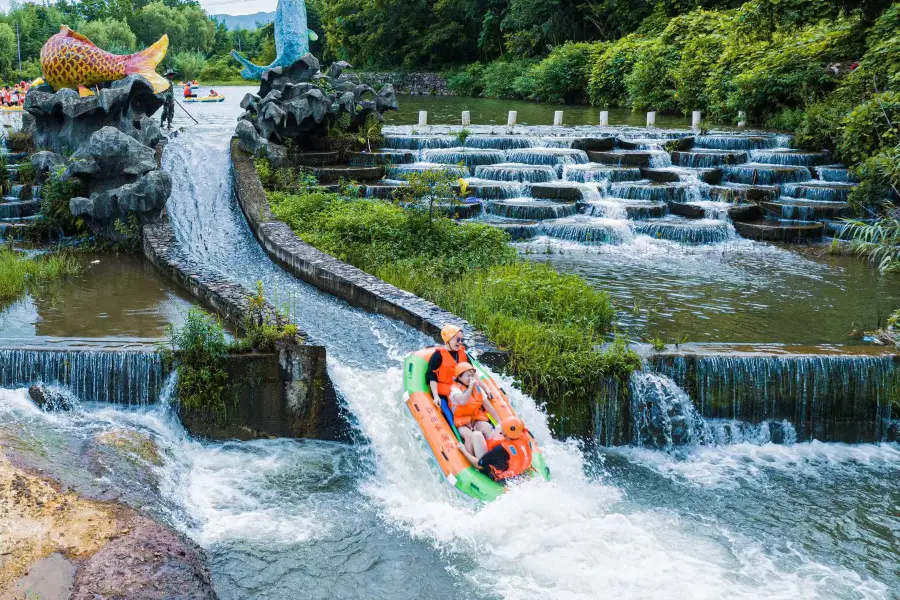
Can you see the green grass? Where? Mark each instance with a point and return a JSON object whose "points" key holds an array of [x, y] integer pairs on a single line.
{"points": [[18, 272], [555, 327]]}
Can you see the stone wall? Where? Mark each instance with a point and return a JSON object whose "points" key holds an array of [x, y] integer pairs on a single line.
{"points": [[338, 278], [408, 83], [283, 395]]}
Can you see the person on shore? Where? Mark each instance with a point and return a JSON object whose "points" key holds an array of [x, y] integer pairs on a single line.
{"points": [[470, 405], [506, 454]]}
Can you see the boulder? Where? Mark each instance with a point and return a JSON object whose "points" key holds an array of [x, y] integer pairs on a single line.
{"points": [[114, 152], [44, 163], [63, 121], [52, 399]]}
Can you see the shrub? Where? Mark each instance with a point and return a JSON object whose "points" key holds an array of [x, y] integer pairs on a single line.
{"points": [[469, 82], [870, 127], [19, 141], [820, 124], [689, 75], [189, 64], [55, 213], [650, 84], [501, 79], [563, 76], [199, 348], [607, 83], [879, 180], [221, 68]]}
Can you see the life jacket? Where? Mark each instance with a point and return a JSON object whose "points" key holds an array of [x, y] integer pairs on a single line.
{"points": [[445, 374], [520, 453], [473, 410], [187, 91]]}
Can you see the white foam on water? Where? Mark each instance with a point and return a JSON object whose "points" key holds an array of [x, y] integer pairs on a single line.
{"points": [[570, 538]]}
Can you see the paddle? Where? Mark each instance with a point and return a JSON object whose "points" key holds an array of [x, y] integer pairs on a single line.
{"points": [[186, 112]]}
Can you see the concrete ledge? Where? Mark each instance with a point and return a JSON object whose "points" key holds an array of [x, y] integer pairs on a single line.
{"points": [[339, 278], [283, 395]]}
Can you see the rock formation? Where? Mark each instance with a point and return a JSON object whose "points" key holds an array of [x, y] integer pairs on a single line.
{"points": [[300, 104], [62, 121]]}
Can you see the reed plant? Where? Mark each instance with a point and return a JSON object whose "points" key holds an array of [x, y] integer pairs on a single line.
{"points": [[19, 273]]}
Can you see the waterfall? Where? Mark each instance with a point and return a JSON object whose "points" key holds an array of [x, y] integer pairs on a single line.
{"points": [[836, 175], [758, 174], [530, 210], [418, 142], [517, 172], [662, 413], [547, 156], [834, 398], [702, 231], [589, 230], [708, 159], [736, 142], [499, 142], [491, 189], [468, 157], [788, 157], [116, 376], [402, 172], [595, 173], [818, 191]]}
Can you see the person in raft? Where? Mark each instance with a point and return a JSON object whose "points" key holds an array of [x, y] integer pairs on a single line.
{"points": [[504, 455], [470, 405]]}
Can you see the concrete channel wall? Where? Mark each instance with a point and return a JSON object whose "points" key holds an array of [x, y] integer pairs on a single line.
{"points": [[336, 277], [287, 394]]}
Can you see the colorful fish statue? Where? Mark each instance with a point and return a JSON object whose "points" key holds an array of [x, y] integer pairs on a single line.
{"points": [[70, 60]]}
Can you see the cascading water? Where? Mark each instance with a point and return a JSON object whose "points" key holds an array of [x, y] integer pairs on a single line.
{"points": [[818, 191], [115, 376], [402, 172], [468, 157], [788, 157], [517, 172], [340, 522], [685, 231], [593, 172]]}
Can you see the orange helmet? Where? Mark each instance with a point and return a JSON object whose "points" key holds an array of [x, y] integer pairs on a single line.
{"points": [[513, 427], [448, 331], [461, 368]]}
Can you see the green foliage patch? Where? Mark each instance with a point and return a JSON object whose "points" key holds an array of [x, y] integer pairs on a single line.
{"points": [[19, 273]]}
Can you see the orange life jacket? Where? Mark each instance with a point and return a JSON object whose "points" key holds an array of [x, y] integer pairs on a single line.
{"points": [[187, 91], [473, 410], [445, 373], [520, 452]]}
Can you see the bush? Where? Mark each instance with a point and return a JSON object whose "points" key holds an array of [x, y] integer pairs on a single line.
{"points": [[879, 180], [502, 79], [469, 82], [870, 127], [199, 349], [55, 213], [820, 125], [563, 76], [650, 84], [699, 56], [607, 83], [189, 64], [221, 68]]}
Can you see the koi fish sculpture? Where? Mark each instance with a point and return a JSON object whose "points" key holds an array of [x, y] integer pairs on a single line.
{"points": [[70, 60], [292, 37]]}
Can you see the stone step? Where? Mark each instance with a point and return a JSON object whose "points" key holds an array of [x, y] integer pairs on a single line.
{"points": [[622, 158], [676, 174], [317, 159], [745, 212], [649, 192], [774, 230], [380, 191], [518, 231], [733, 142], [460, 210], [760, 174], [704, 231], [823, 191], [709, 158], [742, 193], [531, 210], [488, 189], [381, 157], [780, 156], [806, 210], [634, 209], [591, 144], [560, 191], [19, 209], [347, 173], [834, 174], [593, 172], [470, 157]]}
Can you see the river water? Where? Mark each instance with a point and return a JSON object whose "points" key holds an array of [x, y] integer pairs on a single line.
{"points": [[284, 518]]}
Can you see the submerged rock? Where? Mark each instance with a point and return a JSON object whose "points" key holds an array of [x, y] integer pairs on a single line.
{"points": [[52, 399]]}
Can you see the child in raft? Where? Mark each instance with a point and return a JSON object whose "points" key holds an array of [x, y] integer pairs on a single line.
{"points": [[470, 405], [504, 455]]}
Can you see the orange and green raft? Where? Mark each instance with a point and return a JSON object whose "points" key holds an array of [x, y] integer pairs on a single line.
{"points": [[442, 437]]}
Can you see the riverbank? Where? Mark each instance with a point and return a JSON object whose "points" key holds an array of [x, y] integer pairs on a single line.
{"points": [[59, 545]]}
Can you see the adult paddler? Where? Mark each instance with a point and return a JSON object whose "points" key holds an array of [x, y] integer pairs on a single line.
{"points": [[442, 364]]}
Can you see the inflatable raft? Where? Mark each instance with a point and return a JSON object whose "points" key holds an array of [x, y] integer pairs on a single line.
{"points": [[442, 437], [11, 108], [206, 99]]}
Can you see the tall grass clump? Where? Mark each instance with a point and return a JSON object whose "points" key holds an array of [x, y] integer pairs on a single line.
{"points": [[18, 273]]}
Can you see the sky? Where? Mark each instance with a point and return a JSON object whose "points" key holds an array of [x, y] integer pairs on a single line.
{"points": [[217, 7]]}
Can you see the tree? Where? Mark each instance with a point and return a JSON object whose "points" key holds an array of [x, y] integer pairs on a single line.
{"points": [[189, 64], [111, 35], [7, 50], [200, 31], [151, 22]]}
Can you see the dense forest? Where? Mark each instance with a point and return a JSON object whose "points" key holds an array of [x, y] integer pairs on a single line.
{"points": [[827, 70]]}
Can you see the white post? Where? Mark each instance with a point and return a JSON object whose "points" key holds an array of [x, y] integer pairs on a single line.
{"points": [[742, 119], [651, 119], [604, 118], [557, 118], [512, 118], [695, 119], [466, 118], [423, 118]]}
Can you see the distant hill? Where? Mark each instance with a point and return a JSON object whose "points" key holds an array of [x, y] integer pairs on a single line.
{"points": [[245, 21]]}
